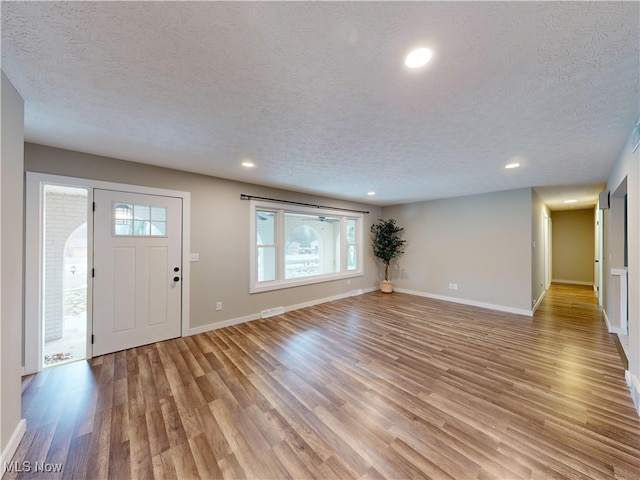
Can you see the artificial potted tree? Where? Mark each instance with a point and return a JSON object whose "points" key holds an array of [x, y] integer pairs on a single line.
{"points": [[387, 245]]}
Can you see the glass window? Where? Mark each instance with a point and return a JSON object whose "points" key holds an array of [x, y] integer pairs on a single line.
{"points": [[139, 220], [123, 219], [159, 221], [352, 244], [266, 245], [312, 245], [301, 245]]}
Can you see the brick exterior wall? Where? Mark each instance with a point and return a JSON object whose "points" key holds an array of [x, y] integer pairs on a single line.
{"points": [[64, 213]]}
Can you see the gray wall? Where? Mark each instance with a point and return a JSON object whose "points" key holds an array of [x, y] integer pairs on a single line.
{"points": [[573, 246], [481, 242], [219, 232], [11, 245]]}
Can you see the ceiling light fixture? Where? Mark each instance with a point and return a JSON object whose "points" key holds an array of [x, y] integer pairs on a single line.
{"points": [[512, 165], [570, 201], [371, 193], [418, 57], [248, 164]]}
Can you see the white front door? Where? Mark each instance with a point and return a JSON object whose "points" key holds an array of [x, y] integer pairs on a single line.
{"points": [[137, 284]]}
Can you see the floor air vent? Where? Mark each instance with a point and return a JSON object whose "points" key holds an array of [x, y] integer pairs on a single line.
{"points": [[272, 312]]}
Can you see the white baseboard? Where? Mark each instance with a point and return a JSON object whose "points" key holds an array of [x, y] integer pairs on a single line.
{"points": [[351, 293], [634, 386], [611, 328], [538, 302], [473, 303], [290, 308], [224, 323], [12, 445], [572, 282]]}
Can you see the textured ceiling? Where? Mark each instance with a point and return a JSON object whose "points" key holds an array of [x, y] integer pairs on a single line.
{"points": [[316, 93]]}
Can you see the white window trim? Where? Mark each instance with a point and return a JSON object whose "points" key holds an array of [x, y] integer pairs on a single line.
{"points": [[281, 282]]}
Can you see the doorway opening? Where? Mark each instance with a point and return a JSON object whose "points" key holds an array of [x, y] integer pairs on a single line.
{"points": [[64, 274], [60, 290]]}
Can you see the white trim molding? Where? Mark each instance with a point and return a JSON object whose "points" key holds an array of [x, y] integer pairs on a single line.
{"points": [[12, 446], [537, 303], [472, 303], [634, 386], [610, 328], [624, 315], [572, 282]]}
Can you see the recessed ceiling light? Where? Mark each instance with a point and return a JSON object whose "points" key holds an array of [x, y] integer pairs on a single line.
{"points": [[512, 165], [371, 193], [248, 164], [570, 201], [418, 58]]}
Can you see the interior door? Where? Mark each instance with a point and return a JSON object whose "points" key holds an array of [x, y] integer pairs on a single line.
{"points": [[137, 287]]}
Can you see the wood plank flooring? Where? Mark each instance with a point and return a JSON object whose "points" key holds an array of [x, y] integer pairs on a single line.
{"points": [[375, 386]]}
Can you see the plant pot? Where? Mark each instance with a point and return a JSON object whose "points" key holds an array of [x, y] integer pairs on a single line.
{"points": [[386, 287]]}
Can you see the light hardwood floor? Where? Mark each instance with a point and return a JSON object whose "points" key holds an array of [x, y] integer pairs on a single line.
{"points": [[375, 386]]}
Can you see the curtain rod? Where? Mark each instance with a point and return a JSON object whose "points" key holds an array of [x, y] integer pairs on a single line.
{"points": [[251, 197]]}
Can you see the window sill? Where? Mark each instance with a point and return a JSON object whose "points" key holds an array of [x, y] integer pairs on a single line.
{"points": [[298, 282]]}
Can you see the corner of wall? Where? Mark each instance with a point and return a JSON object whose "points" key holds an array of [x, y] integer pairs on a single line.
{"points": [[634, 386], [12, 446], [12, 427]]}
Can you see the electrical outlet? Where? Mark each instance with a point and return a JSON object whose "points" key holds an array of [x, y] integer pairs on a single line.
{"points": [[195, 257], [219, 306]]}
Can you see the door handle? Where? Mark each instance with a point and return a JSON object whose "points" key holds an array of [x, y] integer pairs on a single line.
{"points": [[176, 279]]}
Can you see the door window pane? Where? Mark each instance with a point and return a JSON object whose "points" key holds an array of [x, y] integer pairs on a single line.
{"points": [[159, 229], [141, 217], [123, 219], [159, 214], [139, 220]]}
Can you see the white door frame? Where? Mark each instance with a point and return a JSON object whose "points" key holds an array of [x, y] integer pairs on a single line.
{"points": [[600, 253], [548, 250], [33, 262]]}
